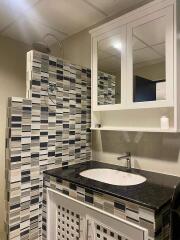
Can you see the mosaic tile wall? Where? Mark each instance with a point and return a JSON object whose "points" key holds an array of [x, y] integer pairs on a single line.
{"points": [[158, 224], [51, 128], [106, 88]]}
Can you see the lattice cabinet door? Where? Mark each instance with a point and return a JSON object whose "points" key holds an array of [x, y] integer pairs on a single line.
{"points": [[96, 230], [101, 226], [66, 218]]}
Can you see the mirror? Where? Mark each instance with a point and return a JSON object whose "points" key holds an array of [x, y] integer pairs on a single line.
{"points": [[109, 70], [149, 72]]}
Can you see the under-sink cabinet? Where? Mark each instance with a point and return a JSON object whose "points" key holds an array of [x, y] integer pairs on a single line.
{"points": [[70, 219], [76, 212], [135, 73]]}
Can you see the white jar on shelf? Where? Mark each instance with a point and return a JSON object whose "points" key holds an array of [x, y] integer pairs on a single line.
{"points": [[164, 122]]}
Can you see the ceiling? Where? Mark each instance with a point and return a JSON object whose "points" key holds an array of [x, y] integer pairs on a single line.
{"points": [[30, 20]]}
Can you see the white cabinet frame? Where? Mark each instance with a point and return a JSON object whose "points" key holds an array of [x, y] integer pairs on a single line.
{"points": [[118, 31], [169, 59], [127, 64], [146, 115]]}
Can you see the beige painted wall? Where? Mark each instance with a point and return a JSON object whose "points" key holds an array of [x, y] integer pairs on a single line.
{"points": [[12, 83], [151, 151], [76, 49], [157, 152]]}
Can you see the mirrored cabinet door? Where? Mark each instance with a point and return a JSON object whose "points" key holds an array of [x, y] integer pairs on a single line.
{"points": [[110, 73], [150, 59]]}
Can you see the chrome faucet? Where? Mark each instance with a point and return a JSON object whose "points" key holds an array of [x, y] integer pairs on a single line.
{"points": [[127, 156]]}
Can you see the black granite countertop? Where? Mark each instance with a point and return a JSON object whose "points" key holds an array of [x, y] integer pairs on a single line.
{"points": [[154, 193]]}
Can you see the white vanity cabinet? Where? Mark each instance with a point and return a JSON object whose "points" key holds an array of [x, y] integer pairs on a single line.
{"points": [[135, 74], [70, 219]]}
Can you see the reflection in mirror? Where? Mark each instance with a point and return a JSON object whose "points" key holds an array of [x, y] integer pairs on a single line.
{"points": [[109, 70], [149, 61]]}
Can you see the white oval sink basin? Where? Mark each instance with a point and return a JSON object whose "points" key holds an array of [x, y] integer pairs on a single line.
{"points": [[113, 177]]}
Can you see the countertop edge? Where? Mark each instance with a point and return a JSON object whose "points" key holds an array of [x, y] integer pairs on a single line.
{"points": [[154, 208]]}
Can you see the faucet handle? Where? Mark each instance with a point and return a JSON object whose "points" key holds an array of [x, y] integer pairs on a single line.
{"points": [[126, 155]]}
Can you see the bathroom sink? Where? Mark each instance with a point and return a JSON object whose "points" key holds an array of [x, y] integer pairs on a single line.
{"points": [[113, 177]]}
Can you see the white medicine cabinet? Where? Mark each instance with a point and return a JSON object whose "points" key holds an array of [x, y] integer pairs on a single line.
{"points": [[135, 75]]}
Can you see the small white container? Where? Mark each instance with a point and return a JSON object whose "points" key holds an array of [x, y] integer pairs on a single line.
{"points": [[164, 122]]}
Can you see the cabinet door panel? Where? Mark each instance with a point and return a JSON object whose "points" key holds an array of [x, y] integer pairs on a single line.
{"points": [[66, 218], [109, 70], [102, 226], [150, 59]]}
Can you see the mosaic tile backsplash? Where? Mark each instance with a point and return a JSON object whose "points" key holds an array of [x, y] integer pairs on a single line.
{"points": [[48, 129]]}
